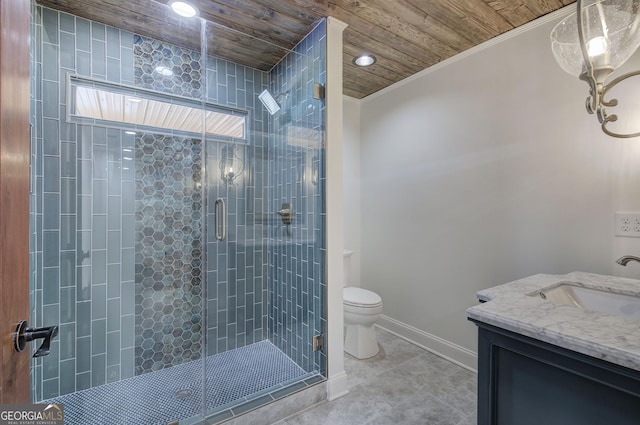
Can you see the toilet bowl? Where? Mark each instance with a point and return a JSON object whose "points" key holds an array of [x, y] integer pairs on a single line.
{"points": [[362, 308]]}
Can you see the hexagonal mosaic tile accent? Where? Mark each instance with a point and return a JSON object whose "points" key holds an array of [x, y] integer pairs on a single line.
{"points": [[166, 68], [168, 251]]}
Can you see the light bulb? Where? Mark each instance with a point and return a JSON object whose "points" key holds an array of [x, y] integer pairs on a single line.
{"points": [[364, 60], [597, 46], [183, 8]]}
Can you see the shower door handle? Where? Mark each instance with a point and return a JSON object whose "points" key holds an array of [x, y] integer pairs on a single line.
{"points": [[221, 219], [24, 334]]}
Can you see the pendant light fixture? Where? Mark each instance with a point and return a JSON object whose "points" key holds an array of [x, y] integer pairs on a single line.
{"points": [[593, 42]]}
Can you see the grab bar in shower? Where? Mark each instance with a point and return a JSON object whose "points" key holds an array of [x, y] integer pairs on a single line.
{"points": [[221, 219]]}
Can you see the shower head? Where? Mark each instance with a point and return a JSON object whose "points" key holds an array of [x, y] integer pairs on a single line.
{"points": [[269, 102]]}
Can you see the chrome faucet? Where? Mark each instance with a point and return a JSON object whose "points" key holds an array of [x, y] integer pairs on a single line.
{"points": [[625, 259]]}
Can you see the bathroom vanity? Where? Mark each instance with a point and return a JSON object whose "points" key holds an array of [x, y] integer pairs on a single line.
{"points": [[559, 350]]}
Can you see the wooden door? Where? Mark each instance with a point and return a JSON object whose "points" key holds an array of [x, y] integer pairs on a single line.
{"points": [[14, 195]]}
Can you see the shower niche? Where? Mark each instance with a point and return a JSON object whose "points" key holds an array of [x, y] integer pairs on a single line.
{"points": [[144, 150]]}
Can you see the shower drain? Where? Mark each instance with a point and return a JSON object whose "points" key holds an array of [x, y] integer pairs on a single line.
{"points": [[182, 394]]}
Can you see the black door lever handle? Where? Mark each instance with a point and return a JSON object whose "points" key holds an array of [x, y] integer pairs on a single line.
{"points": [[25, 334]]}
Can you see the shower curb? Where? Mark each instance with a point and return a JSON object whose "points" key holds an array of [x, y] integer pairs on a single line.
{"points": [[276, 410]]}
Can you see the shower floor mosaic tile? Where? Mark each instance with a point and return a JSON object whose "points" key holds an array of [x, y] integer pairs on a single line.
{"points": [[161, 397]]}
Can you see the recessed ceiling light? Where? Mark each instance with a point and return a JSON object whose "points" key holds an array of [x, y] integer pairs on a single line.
{"points": [[183, 8], [364, 59], [164, 71], [134, 100]]}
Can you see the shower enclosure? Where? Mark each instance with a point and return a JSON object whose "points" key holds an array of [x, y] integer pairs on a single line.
{"points": [[177, 224]]}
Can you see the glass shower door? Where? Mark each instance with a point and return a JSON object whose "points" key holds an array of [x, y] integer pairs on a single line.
{"points": [[160, 240], [266, 285], [297, 248], [117, 220]]}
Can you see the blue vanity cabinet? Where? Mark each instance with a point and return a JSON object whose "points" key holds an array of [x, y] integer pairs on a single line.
{"points": [[524, 381]]}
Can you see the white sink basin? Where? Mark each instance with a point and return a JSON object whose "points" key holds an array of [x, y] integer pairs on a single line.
{"points": [[572, 294]]}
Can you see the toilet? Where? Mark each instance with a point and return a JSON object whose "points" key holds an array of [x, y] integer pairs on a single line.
{"points": [[362, 308]]}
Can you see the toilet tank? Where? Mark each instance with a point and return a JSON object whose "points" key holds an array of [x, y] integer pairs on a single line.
{"points": [[346, 266]]}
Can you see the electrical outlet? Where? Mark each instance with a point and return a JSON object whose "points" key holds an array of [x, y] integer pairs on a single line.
{"points": [[628, 224]]}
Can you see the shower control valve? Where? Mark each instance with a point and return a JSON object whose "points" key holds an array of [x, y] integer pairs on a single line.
{"points": [[286, 213]]}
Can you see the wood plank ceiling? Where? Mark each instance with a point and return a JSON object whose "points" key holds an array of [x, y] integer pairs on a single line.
{"points": [[406, 36]]}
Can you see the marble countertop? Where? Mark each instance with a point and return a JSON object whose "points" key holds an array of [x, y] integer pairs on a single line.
{"points": [[611, 338]]}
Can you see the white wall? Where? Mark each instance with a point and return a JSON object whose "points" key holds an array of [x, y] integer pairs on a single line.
{"points": [[351, 185], [481, 171]]}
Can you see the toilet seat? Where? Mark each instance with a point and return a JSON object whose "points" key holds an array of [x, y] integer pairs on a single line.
{"points": [[363, 311], [361, 298]]}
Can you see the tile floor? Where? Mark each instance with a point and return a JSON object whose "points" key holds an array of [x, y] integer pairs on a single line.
{"points": [[156, 398], [402, 385]]}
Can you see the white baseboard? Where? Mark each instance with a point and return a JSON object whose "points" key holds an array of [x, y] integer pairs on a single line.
{"points": [[441, 347], [337, 386]]}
